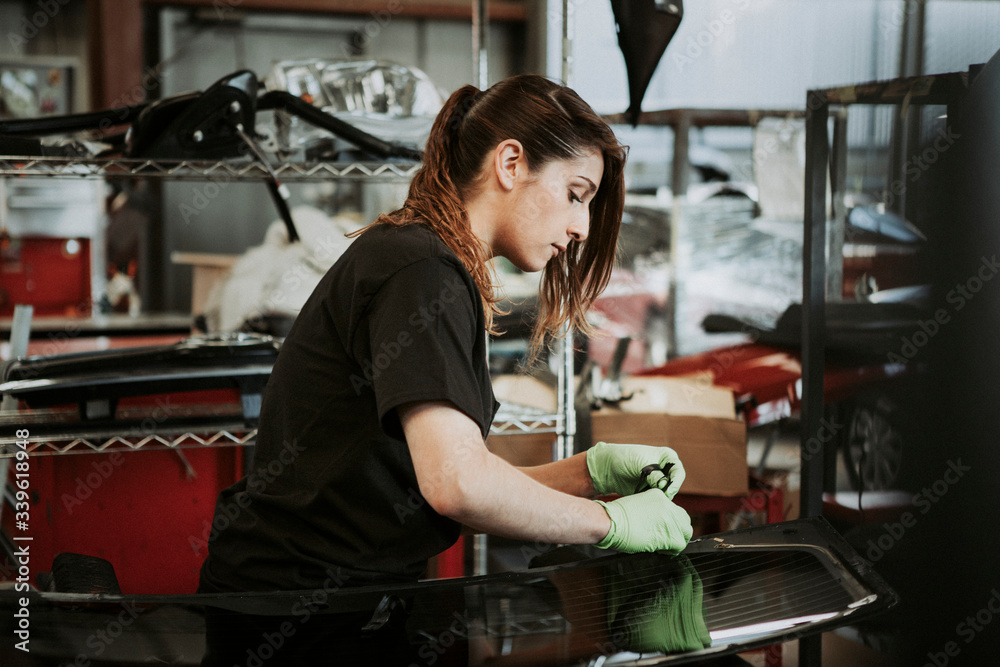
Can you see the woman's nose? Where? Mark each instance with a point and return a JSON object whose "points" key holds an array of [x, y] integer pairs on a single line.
{"points": [[580, 228]]}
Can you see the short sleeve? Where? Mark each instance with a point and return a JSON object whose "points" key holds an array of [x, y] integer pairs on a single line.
{"points": [[425, 330]]}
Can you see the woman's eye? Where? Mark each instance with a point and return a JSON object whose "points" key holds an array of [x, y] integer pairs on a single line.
{"points": [[574, 198]]}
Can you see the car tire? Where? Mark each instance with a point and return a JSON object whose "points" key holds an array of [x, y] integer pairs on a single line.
{"points": [[872, 443]]}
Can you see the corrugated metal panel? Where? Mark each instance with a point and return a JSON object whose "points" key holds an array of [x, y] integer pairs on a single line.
{"points": [[960, 33]]}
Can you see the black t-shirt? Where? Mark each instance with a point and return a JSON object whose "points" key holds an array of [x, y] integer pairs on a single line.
{"points": [[332, 498]]}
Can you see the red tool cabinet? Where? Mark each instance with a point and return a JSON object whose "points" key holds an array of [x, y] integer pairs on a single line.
{"points": [[52, 274], [140, 510]]}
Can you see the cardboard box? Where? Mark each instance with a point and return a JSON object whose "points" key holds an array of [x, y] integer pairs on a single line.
{"points": [[691, 415], [525, 390], [695, 418], [523, 449]]}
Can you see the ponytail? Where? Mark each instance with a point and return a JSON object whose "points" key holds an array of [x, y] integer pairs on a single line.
{"points": [[443, 144], [435, 199]]}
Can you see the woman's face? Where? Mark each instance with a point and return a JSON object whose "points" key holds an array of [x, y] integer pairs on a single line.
{"points": [[549, 208]]}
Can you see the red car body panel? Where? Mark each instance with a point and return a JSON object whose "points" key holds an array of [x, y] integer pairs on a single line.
{"points": [[767, 380]]}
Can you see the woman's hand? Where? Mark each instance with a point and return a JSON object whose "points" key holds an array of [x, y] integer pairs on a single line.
{"points": [[647, 521], [629, 469]]}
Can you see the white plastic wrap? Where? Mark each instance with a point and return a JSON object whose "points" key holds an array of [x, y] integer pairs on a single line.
{"points": [[277, 277]]}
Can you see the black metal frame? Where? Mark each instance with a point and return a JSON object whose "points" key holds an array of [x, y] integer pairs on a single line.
{"points": [[943, 89]]}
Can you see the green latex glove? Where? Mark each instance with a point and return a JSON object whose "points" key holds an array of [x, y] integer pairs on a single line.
{"points": [[647, 521], [656, 606], [618, 468]]}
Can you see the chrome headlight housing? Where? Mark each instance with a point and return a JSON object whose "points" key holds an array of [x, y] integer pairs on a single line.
{"points": [[391, 101]]}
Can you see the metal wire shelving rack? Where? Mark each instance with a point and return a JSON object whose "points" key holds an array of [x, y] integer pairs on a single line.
{"points": [[201, 170], [191, 434]]}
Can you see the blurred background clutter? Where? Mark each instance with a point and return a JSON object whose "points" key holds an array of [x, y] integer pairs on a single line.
{"points": [[803, 303]]}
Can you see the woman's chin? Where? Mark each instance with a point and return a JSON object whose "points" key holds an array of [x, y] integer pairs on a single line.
{"points": [[528, 264]]}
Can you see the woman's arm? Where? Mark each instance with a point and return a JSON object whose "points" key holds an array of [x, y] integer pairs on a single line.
{"points": [[462, 480], [568, 475]]}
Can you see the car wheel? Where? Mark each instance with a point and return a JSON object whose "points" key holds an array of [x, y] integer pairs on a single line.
{"points": [[872, 445]]}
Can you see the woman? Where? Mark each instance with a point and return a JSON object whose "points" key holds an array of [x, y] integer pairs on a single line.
{"points": [[370, 456]]}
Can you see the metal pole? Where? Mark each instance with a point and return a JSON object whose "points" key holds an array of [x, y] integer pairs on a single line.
{"points": [[914, 121], [480, 42], [20, 330], [906, 133], [565, 387], [480, 555], [897, 146], [564, 440], [813, 326], [682, 145], [480, 544], [838, 221], [680, 166], [20, 334], [567, 42], [813, 301]]}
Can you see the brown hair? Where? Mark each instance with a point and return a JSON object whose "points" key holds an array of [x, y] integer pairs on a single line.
{"points": [[552, 123]]}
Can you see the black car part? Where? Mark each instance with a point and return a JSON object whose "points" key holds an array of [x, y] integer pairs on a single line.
{"points": [[201, 125], [645, 27], [198, 125], [95, 381], [217, 123]]}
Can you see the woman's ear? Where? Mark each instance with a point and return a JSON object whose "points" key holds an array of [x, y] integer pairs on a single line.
{"points": [[509, 163]]}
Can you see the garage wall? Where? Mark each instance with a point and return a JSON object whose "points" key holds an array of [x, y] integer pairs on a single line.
{"points": [[961, 32]]}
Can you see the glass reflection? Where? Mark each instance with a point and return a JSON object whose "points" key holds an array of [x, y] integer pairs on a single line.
{"points": [[563, 617], [571, 609]]}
